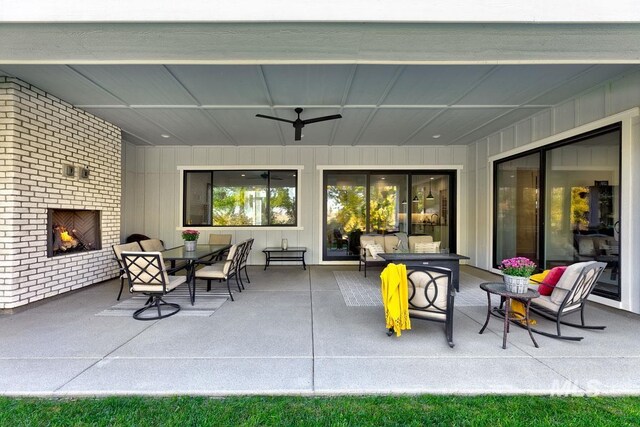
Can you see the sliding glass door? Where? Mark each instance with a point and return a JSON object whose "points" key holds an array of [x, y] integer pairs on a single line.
{"points": [[383, 202], [561, 204]]}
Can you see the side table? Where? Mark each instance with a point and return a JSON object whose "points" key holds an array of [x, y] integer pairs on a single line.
{"points": [[499, 288], [289, 254]]}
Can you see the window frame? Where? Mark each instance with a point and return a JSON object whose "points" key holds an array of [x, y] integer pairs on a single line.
{"points": [[297, 169]]}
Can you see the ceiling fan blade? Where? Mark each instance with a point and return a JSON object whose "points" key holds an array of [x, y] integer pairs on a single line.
{"points": [[274, 118], [322, 119], [298, 133]]}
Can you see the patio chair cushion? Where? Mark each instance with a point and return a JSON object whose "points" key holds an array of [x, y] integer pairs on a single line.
{"points": [[566, 282], [433, 305], [551, 280], [152, 245], [546, 302], [174, 282]]}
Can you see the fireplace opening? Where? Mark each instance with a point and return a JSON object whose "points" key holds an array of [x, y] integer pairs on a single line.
{"points": [[72, 231]]}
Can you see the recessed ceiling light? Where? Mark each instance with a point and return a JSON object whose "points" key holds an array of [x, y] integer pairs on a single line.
{"points": [[383, 178], [164, 135], [436, 136], [431, 178], [242, 175]]}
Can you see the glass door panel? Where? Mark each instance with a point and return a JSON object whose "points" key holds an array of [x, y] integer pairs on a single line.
{"points": [[388, 203], [430, 207], [516, 208], [582, 213], [345, 214]]}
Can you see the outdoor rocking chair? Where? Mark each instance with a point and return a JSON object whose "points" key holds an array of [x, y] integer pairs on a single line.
{"points": [[569, 296]]}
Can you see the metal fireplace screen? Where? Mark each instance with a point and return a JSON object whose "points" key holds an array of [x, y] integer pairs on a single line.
{"points": [[72, 231]]}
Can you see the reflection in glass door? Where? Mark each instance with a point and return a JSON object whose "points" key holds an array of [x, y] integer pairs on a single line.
{"points": [[516, 209], [345, 214], [583, 207]]}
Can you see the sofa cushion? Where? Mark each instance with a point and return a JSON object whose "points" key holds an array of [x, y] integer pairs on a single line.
{"points": [[418, 239], [390, 242]]}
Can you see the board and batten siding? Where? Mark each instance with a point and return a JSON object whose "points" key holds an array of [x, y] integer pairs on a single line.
{"points": [[591, 107], [152, 196]]}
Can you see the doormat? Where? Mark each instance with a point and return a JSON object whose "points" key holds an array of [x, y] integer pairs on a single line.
{"points": [[205, 305], [357, 290]]}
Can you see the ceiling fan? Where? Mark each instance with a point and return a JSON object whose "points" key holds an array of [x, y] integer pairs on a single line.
{"points": [[298, 123]]}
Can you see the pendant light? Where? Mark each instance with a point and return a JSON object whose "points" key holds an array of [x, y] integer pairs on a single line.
{"points": [[430, 196]]}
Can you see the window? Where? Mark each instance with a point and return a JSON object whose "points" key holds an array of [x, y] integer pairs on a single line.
{"points": [[228, 198]]}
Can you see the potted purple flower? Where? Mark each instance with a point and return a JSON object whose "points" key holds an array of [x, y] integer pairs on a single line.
{"points": [[516, 273], [190, 238]]}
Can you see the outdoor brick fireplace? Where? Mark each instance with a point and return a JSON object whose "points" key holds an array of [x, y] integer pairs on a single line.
{"points": [[73, 230], [61, 170]]}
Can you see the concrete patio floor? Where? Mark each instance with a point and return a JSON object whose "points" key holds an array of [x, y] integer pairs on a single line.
{"points": [[290, 332]]}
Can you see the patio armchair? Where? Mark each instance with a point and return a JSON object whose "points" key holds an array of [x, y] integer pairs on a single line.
{"points": [[569, 296], [431, 296], [223, 270], [147, 274], [117, 251]]}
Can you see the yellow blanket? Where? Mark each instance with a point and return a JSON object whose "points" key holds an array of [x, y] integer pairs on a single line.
{"points": [[395, 297]]}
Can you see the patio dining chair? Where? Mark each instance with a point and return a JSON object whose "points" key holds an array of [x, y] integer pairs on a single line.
{"points": [[147, 274], [220, 271], [117, 251], [243, 261], [220, 239], [569, 296], [431, 296], [157, 245]]}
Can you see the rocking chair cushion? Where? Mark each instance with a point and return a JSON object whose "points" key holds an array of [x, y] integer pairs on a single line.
{"points": [[566, 282], [545, 302]]}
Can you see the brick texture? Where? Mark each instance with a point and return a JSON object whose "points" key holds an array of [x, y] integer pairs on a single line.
{"points": [[39, 134]]}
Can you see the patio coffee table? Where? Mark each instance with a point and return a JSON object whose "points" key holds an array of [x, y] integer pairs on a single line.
{"points": [[289, 254], [499, 288]]}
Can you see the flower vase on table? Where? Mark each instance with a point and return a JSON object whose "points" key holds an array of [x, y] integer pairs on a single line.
{"points": [[190, 238], [516, 273]]}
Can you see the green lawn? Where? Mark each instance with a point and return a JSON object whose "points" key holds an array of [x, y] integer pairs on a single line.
{"points": [[313, 411]]}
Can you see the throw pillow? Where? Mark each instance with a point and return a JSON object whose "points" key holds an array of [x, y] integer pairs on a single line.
{"points": [[551, 280], [374, 250], [428, 247]]}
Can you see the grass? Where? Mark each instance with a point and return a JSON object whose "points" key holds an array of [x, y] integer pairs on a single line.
{"points": [[323, 411]]}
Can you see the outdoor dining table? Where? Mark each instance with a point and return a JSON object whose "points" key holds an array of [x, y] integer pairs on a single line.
{"points": [[191, 257], [446, 260]]}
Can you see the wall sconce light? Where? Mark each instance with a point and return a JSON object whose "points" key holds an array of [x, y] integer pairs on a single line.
{"points": [[69, 171], [84, 172]]}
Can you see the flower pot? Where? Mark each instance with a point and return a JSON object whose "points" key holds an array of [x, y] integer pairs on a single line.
{"points": [[190, 245], [516, 284]]}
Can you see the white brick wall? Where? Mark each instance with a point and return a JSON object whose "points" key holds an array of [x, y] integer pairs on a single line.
{"points": [[39, 133]]}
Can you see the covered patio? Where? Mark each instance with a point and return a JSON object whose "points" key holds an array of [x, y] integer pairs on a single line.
{"points": [[290, 332]]}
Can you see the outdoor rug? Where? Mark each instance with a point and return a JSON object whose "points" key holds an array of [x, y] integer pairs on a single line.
{"points": [[360, 291], [205, 305]]}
